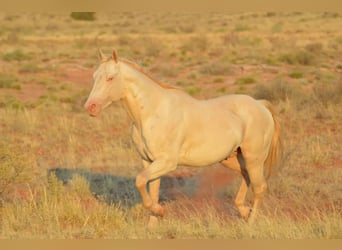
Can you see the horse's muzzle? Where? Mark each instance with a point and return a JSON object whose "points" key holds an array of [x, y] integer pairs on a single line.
{"points": [[92, 108]]}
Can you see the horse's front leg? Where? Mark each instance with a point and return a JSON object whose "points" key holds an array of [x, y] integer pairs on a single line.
{"points": [[154, 193], [152, 173]]}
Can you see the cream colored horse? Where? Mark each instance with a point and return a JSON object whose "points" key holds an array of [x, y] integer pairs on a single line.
{"points": [[172, 128]]}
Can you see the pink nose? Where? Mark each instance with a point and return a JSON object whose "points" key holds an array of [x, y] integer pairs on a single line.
{"points": [[91, 108]]}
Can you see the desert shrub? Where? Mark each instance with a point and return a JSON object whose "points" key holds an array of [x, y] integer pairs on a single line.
{"points": [[8, 81], [12, 38], [125, 40], [83, 16], [216, 68], [29, 68], [11, 102], [245, 80], [314, 47], [241, 27], [187, 28], [196, 43], [278, 90], [151, 46], [194, 91], [16, 55], [328, 93], [296, 74], [277, 27], [231, 38], [14, 168], [299, 57]]}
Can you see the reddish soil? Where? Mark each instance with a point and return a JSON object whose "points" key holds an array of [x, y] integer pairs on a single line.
{"points": [[205, 190]]}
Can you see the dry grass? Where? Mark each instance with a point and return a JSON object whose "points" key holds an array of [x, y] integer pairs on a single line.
{"points": [[67, 175]]}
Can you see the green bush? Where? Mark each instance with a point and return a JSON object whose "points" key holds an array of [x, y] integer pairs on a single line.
{"points": [[245, 80], [296, 75], [9, 82], [83, 16], [16, 55]]}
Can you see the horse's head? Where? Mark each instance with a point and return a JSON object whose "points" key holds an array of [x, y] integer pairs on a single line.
{"points": [[108, 85]]}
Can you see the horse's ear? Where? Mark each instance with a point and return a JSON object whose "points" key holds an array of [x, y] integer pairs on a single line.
{"points": [[102, 57], [115, 56]]}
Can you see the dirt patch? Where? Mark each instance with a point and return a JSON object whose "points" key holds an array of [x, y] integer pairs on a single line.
{"points": [[82, 77]]}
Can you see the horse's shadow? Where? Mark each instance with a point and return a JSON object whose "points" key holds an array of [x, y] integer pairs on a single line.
{"points": [[121, 190]]}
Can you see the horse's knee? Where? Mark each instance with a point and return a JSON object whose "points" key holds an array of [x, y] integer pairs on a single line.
{"points": [[140, 182]]}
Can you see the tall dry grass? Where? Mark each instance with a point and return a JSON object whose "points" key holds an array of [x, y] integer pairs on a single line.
{"points": [[66, 175]]}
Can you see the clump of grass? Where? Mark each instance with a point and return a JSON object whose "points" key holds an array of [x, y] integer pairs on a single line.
{"points": [[278, 90], [29, 68], [11, 102], [239, 27], [125, 40], [216, 68], [296, 74], [314, 47], [14, 168], [12, 38], [222, 90], [218, 80], [299, 57], [16, 55], [277, 27], [231, 38], [151, 47], [83, 16], [245, 80], [194, 91], [328, 93], [9, 82], [196, 43], [187, 28], [61, 211]]}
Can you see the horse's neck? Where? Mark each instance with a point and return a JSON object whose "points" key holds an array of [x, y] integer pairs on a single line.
{"points": [[142, 95]]}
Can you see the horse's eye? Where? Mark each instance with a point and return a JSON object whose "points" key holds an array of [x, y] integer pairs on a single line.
{"points": [[109, 79]]}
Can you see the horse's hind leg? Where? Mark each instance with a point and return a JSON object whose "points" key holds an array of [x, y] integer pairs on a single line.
{"points": [[253, 173], [237, 163], [257, 179]]}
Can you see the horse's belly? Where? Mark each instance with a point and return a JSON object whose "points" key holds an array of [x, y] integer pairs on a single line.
{"points": [[207, 152]]}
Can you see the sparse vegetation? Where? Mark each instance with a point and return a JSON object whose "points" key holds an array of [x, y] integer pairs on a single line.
{"points": [[278, 90], [64, 174], [216, 68], [83, 16], [245, 80], [16, 55], [9, 82], [296, 74], [300, 57]]}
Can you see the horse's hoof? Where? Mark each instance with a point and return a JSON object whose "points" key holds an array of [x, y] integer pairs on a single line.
{"points": [[244, 211], [153, 222]]}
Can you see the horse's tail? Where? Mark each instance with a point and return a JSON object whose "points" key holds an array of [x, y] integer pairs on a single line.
{"points": [[276, 148]]}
